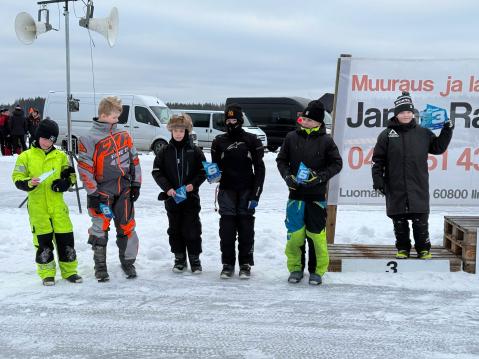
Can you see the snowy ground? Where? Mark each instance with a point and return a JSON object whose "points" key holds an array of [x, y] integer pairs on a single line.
{"points": [[164, 315]]}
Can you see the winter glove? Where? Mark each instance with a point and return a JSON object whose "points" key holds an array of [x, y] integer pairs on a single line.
{"points": [[65, 174], [61, 185], [252, 204], [291, 182], [449, 124], [380, 189], [134, 193], [94, 200], [315, 178]]}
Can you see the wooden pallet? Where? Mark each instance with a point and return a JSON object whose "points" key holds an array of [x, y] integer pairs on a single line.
{"points": [[338, 252], [460, 237]]}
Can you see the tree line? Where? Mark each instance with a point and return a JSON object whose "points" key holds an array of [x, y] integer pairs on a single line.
{"points": [[39, 104]]}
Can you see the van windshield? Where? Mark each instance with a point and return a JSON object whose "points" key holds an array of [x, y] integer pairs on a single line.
{"points": [[162, 113], [246, 121]]}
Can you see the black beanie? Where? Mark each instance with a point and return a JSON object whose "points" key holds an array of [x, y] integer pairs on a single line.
{"points": [[314, 111], [47, 129], [234, 111], [403, 103]]}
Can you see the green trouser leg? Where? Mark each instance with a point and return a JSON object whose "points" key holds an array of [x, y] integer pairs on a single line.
{"points": [[45, 270], [68, 268], [321, 251], [293, 249]]}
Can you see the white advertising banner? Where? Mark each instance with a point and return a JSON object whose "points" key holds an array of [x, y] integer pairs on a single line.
{"points": [[439, 89]]}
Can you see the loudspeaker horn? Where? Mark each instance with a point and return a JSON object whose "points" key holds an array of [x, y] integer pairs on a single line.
{"points": [[107, 26], [27, 29]]}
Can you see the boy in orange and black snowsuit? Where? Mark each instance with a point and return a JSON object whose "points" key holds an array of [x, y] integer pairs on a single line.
{"points": [[110, 170]]}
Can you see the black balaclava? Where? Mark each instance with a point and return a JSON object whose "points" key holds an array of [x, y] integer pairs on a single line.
{"points": [[234, 111]]}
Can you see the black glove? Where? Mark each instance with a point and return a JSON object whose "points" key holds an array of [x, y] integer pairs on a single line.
{"points": [[67, 172], [315, 178], [291, 182], [379, 187], [449, 124], [94, 200], [134, 193], [61, 185]]}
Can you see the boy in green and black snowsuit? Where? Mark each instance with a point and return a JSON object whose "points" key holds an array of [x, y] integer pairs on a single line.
{"points": [[48, 212], [306, 207]]}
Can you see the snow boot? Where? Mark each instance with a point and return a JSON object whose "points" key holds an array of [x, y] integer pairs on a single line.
{"points": [[180, 263], [99, 257], [48, 281], [402, 254], [75, 278], [245, 271], [295, 277], [129, 269], [315, 279], [227, 272], [424, 255], [195, 263]]}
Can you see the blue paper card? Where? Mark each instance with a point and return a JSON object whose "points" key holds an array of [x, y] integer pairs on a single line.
{"points": [[106, 210], [433, 117], [180, 194], [303, 173], [213, 173]]}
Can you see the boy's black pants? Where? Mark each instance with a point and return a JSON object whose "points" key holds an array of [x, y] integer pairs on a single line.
{"points": [[420, 228], [184, 229], [236, 221]]}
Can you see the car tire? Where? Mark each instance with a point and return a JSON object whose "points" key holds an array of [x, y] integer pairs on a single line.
{"points": [[158, 145]]}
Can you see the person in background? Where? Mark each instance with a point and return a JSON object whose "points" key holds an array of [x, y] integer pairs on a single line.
{"points": [[18, 130], [33, 120], [400, 173], [311, 146], [5, 145]]}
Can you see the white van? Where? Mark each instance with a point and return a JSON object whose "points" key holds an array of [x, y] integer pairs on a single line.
{"points": [[144, 117], [207, 124]]}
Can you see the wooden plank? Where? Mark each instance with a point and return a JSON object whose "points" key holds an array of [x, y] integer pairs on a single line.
{"points": [[337, 252]]}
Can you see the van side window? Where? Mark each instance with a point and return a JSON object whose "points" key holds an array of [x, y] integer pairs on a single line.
{"points": [[124, 115], [200, 119], [219, 122], [143, 115]]}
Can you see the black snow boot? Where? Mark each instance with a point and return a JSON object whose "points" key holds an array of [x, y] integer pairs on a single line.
{"points": [[75, 278], [180, 263], [195, 263], [228, 271], [128, 268], [99, 257], [245, 271]]}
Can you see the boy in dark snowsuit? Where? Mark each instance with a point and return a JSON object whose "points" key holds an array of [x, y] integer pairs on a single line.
{"points": [[306, 207], [180, 164], [239, 156], [400, 172], [48, 212], [110, 170]]}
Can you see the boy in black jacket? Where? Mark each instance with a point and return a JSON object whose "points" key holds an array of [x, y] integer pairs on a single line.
{"points": [[239, 156], [400, 173], [306, 207], [180, 164]]}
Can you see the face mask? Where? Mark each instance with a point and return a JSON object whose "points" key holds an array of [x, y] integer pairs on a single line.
{"points": [[233, 128]]}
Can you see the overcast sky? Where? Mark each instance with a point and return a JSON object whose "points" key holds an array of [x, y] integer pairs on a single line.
{"points": [[198, 51]]}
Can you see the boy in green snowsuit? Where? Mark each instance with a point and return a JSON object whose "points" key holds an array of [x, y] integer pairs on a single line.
{"points": [[48, 212], [306, 208]]}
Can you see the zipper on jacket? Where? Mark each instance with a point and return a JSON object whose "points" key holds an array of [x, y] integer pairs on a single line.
{"points": [[404, 171], [117, 154]]}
